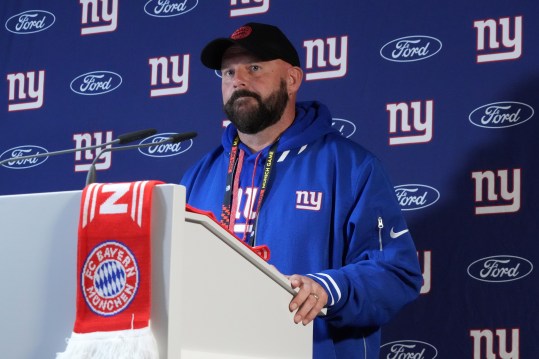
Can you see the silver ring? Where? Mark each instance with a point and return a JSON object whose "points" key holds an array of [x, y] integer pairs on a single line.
{"points": [[315, 296]]}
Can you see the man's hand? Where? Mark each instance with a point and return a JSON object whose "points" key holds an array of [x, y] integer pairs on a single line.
{"points": [[310, 299]]}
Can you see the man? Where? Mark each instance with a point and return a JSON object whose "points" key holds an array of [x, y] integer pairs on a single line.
{"points": [[322, 204]]}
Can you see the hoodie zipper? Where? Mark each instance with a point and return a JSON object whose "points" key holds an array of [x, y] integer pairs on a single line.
{"points": [[380, 227]]}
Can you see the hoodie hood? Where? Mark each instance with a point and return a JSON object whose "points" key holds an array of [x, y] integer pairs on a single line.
{"points": [[312, 121]]}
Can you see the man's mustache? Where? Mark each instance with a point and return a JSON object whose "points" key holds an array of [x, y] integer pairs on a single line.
{"points": [[243, 93]]}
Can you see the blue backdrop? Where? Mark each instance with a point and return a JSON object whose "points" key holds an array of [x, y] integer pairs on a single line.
{"points": [[445, 93]]}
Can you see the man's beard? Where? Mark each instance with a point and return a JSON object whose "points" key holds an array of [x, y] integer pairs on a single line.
{"points": [[253, 119]]}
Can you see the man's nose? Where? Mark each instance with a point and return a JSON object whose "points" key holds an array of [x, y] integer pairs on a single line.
{"points": [[240, 79]]}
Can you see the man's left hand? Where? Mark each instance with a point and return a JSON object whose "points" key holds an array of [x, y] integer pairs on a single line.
{"points": [[309, 301]]}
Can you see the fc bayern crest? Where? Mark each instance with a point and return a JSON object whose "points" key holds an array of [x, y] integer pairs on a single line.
{"points": [[110, 278]]}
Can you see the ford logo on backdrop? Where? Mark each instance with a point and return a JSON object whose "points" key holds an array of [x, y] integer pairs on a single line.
{"points": [[411, 48], [167, 8], [21, 151], [500, 268], [408, 349], [30, 22], [501, 114], [164, 149], [345, 127], [416, 196], [96, 83]]}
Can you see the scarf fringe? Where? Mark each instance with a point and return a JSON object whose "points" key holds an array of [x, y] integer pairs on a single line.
{"points": [[125, 344]]}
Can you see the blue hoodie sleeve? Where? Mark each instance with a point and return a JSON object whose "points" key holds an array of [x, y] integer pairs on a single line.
{"points": [[381, 273]]}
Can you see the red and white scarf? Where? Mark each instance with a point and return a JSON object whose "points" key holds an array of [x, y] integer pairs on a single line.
{"points": [[114, 274]]}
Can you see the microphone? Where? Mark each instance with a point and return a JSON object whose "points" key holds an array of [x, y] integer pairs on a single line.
{"points": [[125, 138], [137, 135], [179, 137]]}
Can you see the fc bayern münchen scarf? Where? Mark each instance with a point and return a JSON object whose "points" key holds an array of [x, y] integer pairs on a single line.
{"points": [[114, 274]]}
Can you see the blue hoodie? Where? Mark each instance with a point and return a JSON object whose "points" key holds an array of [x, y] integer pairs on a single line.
{"points": [[329, 212]]}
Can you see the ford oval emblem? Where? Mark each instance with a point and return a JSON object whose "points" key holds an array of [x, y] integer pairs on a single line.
{"points": [[22, 151], [411, 48], [345, 127], [96, 83], [164, 149], [501, 114], [168, 8], [502, 268], [30, 22], [408, 349], [416, 196]]}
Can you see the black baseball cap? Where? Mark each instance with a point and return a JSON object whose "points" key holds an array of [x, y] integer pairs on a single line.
{"points": [[266, 42]]}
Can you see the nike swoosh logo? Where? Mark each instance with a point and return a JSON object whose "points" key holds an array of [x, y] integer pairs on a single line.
{"points": [[394, 235]]}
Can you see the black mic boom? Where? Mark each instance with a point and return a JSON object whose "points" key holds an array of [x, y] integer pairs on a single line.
{"points": [[137, 135], [179, 137], [125, 138]]}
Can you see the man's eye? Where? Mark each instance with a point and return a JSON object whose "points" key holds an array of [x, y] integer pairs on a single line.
{"points": [[255, 68], [227, 73]]}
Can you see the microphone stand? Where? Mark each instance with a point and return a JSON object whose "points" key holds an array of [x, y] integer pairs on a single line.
{"points": [[125, 138], [91, 176]]}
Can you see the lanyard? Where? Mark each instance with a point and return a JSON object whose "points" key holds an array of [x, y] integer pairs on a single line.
{"points": [[232, 179]]}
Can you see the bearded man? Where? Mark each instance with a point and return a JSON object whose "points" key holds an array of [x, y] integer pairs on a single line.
{"points": [[321, 202]]}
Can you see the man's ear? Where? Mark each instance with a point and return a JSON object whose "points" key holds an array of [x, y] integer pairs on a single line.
{"points": [[294, 79]]}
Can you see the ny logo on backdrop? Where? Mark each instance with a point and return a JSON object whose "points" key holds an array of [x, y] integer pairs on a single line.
{"points": [[166, 77], [26, 90], [323, 61], [427, 270], [410, 132], [503, 347], [496, 32], [98, 19], [84, 158], [248, 7], [499, 198]]}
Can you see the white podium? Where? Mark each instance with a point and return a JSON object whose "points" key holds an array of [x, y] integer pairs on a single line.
{"points": [[212, 297]]}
